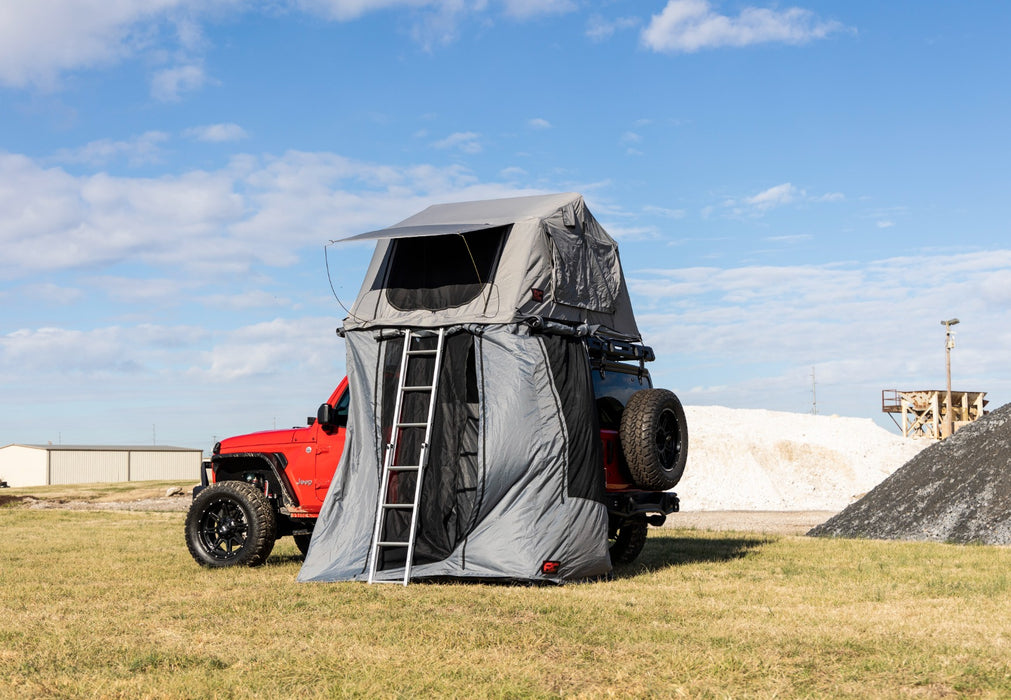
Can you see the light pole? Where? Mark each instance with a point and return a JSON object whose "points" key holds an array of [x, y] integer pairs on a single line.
{"points": [[949, 343]]}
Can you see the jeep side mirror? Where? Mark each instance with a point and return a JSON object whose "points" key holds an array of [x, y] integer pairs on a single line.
{"points": [[325, 415]]}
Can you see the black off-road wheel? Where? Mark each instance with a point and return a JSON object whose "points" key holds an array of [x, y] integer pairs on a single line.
{"points": [[654, 438], [302, 542], [626, 540], [230, 524]]}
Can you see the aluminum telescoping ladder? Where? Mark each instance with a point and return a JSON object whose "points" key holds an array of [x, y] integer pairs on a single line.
{"points": [[392, 464]]}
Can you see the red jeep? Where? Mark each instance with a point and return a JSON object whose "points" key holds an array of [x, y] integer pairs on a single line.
{"points": [[266, 485], [270, 484]]}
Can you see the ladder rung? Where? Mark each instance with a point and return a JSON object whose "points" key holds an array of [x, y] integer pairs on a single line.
{"points": [[421, 352], [404, 467], [417, 388], [399, 506], [394, 544], [412, 425]]}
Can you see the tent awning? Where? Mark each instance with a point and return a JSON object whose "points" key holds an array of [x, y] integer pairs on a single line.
{"points": [[417, 231]]}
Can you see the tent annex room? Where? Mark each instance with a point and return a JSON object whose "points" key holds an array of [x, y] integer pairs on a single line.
{"points": [[466, 357]]}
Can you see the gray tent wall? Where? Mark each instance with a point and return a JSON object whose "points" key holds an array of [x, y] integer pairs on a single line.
{"points": [[536, 494], [514, 486]]}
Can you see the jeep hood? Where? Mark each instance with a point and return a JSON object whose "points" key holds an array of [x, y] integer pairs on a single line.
{"points": [[265, 441]]}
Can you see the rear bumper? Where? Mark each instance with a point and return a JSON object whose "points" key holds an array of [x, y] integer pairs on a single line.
{"points": [[625, 504]]}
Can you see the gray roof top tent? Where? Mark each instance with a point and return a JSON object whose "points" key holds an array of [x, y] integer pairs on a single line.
{"points": [[469, 373]]}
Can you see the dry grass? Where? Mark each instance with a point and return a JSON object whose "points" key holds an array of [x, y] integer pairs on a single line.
{"points": [[102, 604], [94, 493]]}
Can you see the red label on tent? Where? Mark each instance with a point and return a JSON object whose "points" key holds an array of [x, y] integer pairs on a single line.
{"points": [[550, 567], [537, 294]]}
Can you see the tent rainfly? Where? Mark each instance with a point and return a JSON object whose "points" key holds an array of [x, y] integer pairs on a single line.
{"points": [[513, 488]]}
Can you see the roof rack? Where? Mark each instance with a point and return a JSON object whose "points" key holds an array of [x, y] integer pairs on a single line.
{"points": [[609, 349]]}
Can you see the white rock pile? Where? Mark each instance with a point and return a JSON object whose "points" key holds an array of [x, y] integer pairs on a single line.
{"points": [[752, 459]]}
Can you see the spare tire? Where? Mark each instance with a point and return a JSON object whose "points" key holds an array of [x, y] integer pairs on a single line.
{"points": [[654, 439]]}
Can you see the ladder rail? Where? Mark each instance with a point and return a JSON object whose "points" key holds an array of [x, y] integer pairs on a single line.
{"points": [[423, 461], [388, 459]]}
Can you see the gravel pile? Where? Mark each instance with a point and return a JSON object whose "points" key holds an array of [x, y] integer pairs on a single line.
{"points": [[956, 490]]}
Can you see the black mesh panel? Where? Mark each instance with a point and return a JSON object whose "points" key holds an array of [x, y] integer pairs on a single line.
{"points": [[451, 478], [442, 272], [450, 488], [570, 369]]}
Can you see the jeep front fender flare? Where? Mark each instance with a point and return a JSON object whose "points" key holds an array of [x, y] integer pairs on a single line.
{"points": [[233, 465]]}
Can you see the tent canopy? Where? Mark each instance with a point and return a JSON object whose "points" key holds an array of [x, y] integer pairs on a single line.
{"points": [[497, 261], [513, 486]]}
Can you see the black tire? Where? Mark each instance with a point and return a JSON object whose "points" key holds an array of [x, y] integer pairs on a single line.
{"points": [[302, 542], [627, 540], [654, 438], [230, 524]]}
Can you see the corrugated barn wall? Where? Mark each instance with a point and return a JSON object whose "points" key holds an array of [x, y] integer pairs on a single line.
{"points": [[87, 466], [152, 465]]}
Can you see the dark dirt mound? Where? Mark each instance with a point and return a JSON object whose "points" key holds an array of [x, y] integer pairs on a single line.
{"points": [[957, 490]]}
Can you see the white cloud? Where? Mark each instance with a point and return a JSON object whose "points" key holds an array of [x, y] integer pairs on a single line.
{"points": [[885, 223], [465, 141], [205, 246], [435, 22], [99, 352], [168, 85], [253, 211], [525, 9], [50, 219], [512, 172], [216, 133], [251, 299], [829, 197], [665, 211], [143, 290], [268, 349], [47, 292], [868, 327], [691, 25], [139, 150], [624, 233], [599, 28], [775, 197], [772, 198], [790, 238], [42, 40], [347, 10], [538, 123]]}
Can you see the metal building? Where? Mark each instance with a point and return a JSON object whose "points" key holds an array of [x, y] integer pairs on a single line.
{"points": [[41, 465]]}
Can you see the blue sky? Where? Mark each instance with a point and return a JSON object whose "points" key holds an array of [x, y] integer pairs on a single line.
{"points": [[795, 187]]}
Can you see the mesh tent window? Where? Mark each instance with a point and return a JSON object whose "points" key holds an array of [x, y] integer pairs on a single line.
{"points": [[434, 273]]}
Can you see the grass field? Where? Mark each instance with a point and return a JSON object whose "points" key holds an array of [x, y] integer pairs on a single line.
{"points": [[109, 604]]}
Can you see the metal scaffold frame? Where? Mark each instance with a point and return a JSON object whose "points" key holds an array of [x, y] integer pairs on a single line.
{"points": [[923, 412]]}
